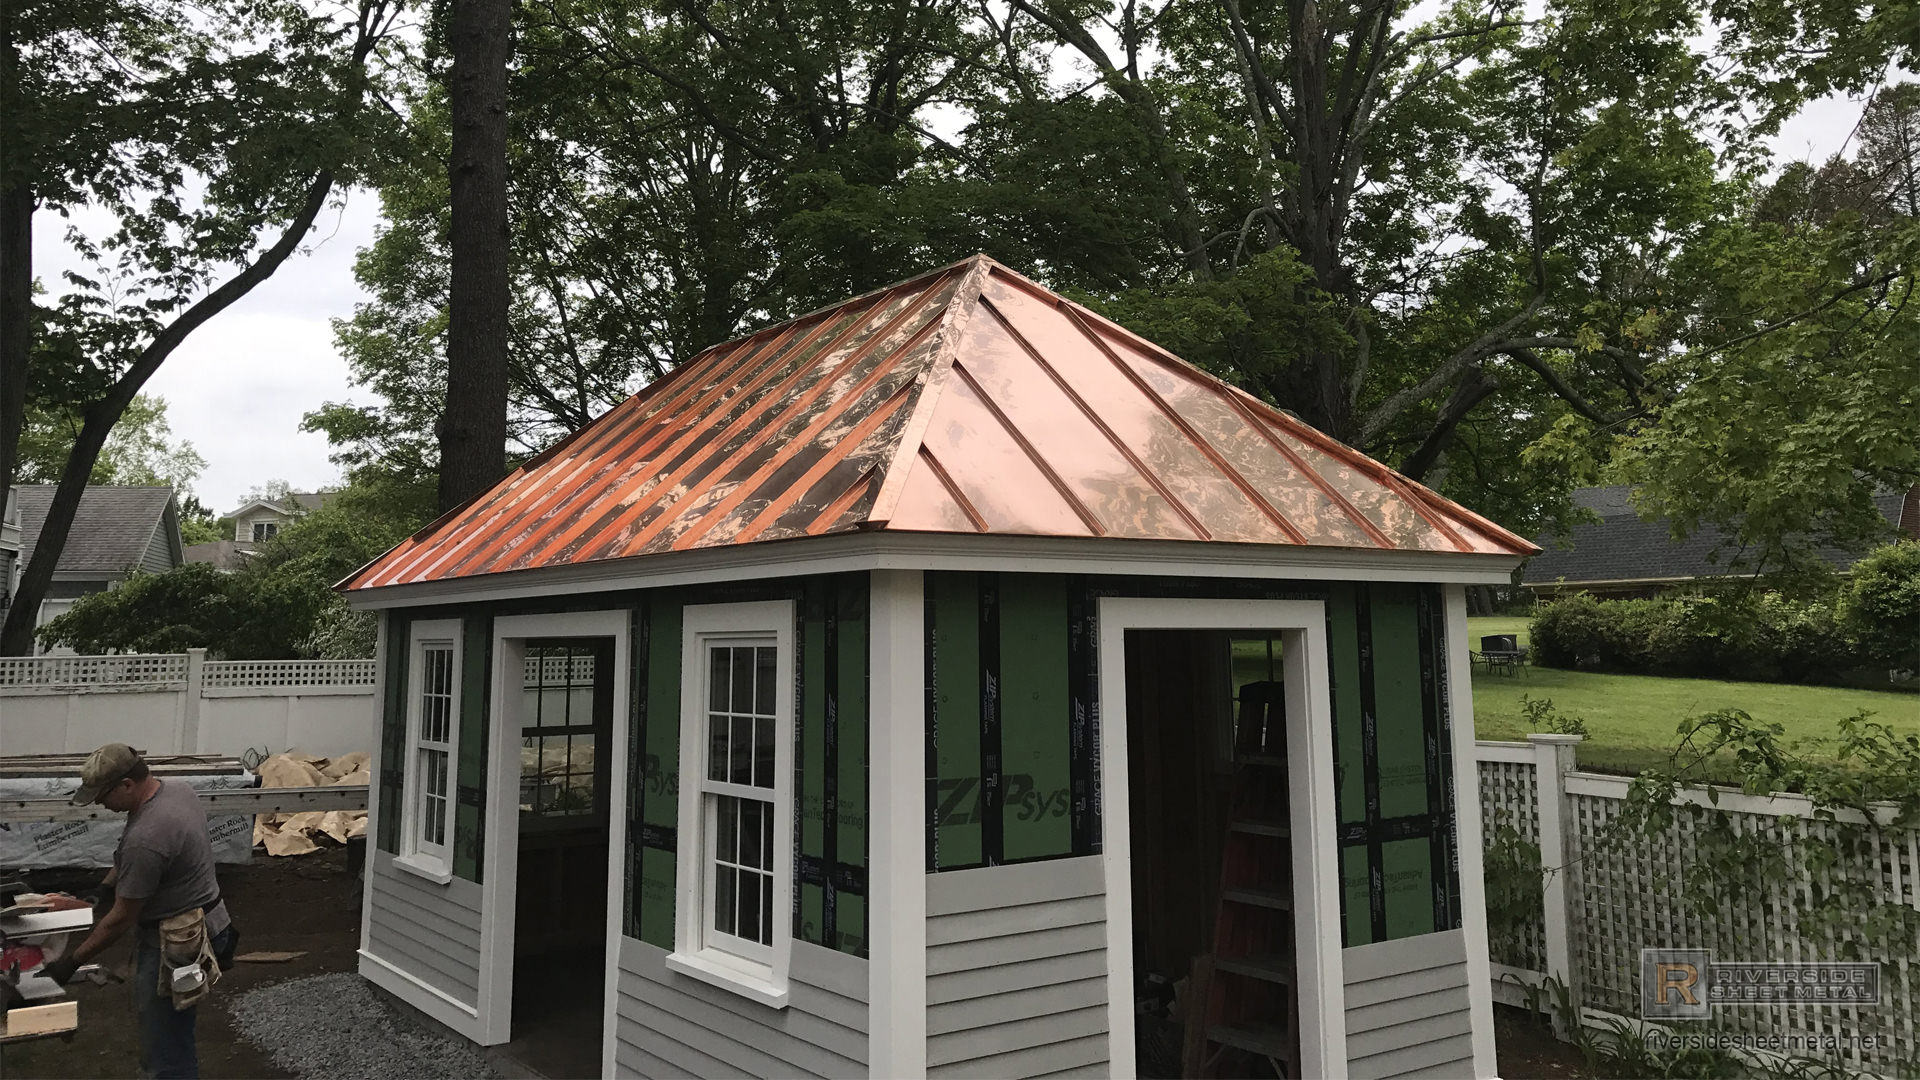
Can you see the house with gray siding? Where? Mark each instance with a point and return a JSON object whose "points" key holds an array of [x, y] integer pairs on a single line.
{"points": [[117, 531], [260, 519], [948, 682]]}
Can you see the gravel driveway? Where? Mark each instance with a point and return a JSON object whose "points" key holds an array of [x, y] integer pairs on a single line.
{"points": [[334, 1027]]}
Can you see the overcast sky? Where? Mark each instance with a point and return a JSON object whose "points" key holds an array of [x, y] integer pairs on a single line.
{"points": [[239, 385]]}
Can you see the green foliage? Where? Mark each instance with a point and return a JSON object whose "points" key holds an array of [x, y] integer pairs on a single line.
{"points": [[141, 449], [1515, 883], [1749, 636], [1880, 605], [1543, 718], [280, 605], [1866, 797]]}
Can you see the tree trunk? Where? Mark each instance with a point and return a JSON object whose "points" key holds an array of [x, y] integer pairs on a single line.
{"points": [[16, 270], [473, 429]]}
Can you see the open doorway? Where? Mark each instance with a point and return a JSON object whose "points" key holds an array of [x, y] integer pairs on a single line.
{"points": [[1217, 807], [560, 919], [1212, 867]]}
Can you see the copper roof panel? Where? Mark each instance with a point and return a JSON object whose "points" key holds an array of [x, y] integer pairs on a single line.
{"points": [[989, 470], [1185, 470], [965, 400]]}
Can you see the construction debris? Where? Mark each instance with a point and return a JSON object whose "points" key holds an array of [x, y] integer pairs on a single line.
{"points": [[294, 834]]}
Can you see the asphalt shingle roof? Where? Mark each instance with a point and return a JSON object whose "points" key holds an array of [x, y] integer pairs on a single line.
{"points": [[111, 528], [1622, 547]]}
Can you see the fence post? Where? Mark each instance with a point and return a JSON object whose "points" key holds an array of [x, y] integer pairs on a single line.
{"points": [[1553, 759], [190, 707]]}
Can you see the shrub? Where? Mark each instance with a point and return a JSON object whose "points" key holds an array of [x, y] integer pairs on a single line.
{"points": [[1880, 606], [1749, 636]]}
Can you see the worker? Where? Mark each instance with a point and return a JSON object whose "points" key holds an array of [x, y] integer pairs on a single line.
{"points": [[163, 868]]}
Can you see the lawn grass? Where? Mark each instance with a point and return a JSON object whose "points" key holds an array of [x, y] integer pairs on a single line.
{"points": [[1631, 719]]}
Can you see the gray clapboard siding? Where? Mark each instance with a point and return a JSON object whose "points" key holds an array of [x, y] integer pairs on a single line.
{"points": [[1407, 1008], [429, 931], [671, 1025], [1017, 970]]}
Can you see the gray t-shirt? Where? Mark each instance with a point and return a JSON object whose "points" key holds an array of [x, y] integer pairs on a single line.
{"points": [[166, 858]]}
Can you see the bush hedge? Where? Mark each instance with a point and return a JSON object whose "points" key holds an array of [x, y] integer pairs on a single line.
{"points": [[1751, 636]]}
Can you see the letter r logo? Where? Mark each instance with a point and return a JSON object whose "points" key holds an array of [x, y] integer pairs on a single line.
{"points": [[1673, 983]]}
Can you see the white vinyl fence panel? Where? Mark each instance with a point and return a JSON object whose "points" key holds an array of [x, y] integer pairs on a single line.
{"points": [[1607, 901], [185, 704]]}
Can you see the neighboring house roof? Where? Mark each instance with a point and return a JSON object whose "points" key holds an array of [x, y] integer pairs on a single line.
{"points": [[223, 554], [294, 502], [112, 527], [1622, 549], [967, 400]]}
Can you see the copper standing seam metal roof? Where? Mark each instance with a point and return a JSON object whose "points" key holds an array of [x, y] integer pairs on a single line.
{"points": [[966, 400]]}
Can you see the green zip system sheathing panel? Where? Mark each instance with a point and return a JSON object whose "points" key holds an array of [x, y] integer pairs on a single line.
{"points": [[1008, 673], [830, 779]]}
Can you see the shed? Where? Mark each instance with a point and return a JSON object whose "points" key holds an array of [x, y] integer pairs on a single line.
{"points": [[936, 685]]}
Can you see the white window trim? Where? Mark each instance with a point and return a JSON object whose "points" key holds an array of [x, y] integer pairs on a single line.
{"points": [[433, 862], [692, 956]]}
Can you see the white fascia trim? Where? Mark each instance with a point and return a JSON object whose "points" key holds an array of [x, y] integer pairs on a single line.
{"points": [[461, 1017], [949, 551], [1467, 836]]}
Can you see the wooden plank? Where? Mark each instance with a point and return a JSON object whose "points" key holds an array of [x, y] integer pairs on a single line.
{"points": [[217, 803], [1375, 991], [977, 926], [1401, 955], [1430, 1058], [967, 955], [1078, 1053], [1016, 1035], [953, 891], [1033, 1001], [1005, 978], [835, 972], [1401, 1010], [38, 1021], [714, 1033]]}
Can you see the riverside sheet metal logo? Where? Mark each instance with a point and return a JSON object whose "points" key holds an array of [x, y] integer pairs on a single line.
{"points": [[1686, 984]]}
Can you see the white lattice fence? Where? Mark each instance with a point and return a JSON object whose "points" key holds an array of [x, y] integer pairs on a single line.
{"points": [[1625, 895], [278, 674], [1510, 798], [55, 672], [555, 670]]}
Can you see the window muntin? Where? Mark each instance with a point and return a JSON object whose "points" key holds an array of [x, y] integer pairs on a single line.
{"points": [[739, 792], [558, 732], [433, 732], [264, 530]]}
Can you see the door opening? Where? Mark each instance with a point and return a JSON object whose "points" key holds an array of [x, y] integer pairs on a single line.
{"points": [[560, 919], [1212, 862]]}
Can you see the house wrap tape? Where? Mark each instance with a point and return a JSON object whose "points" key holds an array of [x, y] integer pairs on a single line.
{"points": [[44, 844]]}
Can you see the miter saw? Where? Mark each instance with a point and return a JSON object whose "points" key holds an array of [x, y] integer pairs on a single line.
{"points": [[36, 929]]}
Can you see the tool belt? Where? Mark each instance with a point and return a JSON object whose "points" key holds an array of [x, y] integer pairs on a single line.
{"points": [[188, 967]]}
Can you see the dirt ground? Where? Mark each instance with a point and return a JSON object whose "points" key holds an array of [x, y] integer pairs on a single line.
{"points": [[1527, 1049], [306, 903], [311, 904]]}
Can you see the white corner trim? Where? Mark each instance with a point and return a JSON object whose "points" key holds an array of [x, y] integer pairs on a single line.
{"points": [[765, 991], [1467, 835], [897, 829], [856, 552], [463, 1018], [1322, 989], [383, 641]]}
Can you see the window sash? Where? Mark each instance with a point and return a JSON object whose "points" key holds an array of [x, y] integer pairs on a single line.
{"points": [[432, 735], [746, 903]]}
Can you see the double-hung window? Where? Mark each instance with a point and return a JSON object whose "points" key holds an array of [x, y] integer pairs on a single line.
{"points": [[735, 910], [433, 732]]}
